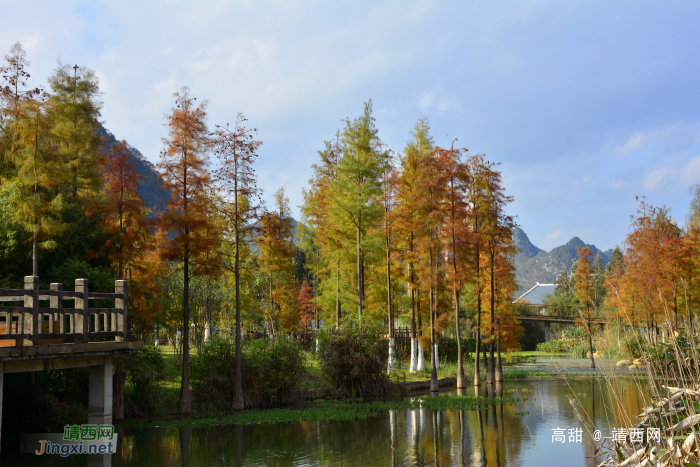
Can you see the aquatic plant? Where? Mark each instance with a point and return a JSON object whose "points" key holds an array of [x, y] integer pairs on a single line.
{"points": [[346, 410]]}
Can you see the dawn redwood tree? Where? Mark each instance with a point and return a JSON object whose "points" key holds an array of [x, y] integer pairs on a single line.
{"points": [[458, 233], [124, 212], [14, 91], [476, 217], [408, 189], [275, 263], [358, 188], [186, 216], [75, 110], [35, 170], [236, 148], [430, 245], [498, 228], [329, 234], [129, 245], [585, 290], [389, 204], [306, 307], [38, 174]]}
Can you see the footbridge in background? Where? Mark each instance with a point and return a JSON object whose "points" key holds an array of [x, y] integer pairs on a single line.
{"points": [[547, 314]]}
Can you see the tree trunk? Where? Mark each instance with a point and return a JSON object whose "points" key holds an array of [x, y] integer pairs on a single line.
{"points": [[491, 373], [477, 376], [590, 337], [392, 341], [499, 363], [238, 399], [421, 356], [461, 380], [185, 403], [359, 269], [414, 344], [337, 293], [35, 253], [434, 386]]}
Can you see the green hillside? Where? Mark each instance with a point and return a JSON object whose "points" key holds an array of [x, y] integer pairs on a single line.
{"points": [[151, 189]]}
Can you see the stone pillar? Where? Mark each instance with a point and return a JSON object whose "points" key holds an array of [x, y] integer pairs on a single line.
{"points": [[100, 395], [30, 322], [100, 405], [81, 319], [546, 331], [121, 287], [57, 303]]}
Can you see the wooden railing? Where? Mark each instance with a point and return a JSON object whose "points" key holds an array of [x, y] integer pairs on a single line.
{"points": [[32, 324]]}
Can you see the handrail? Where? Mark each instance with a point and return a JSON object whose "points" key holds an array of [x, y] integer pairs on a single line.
{"points": [[32, 324]]}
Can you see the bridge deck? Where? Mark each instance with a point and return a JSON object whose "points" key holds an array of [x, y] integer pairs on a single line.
{"points": [[559, 319]]}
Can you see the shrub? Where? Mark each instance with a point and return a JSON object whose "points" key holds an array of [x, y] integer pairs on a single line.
{"points": [[353, 359], [144, 370], [271, 372], [634, 346], [448, 349], [555, 346]]}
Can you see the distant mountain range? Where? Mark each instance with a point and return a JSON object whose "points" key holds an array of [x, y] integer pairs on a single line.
{"points": [[534, 265]]}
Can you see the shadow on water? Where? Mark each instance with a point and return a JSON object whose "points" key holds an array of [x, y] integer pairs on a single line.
{"points": [[496, 435]]}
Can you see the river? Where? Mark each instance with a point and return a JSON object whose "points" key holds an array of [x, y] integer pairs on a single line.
{"points": [[496, 436]]}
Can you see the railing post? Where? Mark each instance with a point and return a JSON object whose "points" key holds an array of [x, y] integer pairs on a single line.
{"points": [[82, 323], [30, 321], [120, 287], [57, 303]]}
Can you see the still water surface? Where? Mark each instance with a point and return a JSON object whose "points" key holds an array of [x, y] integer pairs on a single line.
{"points": [[496, 436]]}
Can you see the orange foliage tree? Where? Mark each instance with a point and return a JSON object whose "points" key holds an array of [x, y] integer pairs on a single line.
{"points": [[583, 289], [187, 216]]}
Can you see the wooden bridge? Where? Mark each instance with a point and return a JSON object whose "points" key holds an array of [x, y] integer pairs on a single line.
{"points": [[36, 338]]}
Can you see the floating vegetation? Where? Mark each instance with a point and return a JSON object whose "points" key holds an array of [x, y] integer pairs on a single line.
{"points": [[347, 410]]}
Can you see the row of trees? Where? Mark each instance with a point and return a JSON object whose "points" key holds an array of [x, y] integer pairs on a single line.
{"points": [[422, 236], [652, 283], [424, 233]]}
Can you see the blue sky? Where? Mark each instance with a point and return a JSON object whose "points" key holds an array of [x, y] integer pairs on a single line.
{"points": [[585, 104]]}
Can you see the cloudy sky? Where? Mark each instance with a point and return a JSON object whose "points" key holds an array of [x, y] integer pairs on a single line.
{"points": [[585, 104]]}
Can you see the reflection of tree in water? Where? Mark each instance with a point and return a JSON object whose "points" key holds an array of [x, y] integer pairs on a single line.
{"points": [[492, 436]]}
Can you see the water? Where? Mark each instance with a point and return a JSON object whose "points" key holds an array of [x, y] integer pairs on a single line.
{"points": [[495, 436]]}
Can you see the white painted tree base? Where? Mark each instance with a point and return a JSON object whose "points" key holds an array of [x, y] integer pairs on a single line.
{"points": [[421, 357]]}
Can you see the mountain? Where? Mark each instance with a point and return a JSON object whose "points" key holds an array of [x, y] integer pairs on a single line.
{"points": [[533, 265], [151, 188]]}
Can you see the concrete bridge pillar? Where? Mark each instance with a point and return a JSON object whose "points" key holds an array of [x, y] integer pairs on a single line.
{"points": [[547, 335], [100, 394]]}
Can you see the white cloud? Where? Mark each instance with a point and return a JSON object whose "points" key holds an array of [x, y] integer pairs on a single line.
{"points": [[676, 135], [634, 142], [553, 235], [658, 177], [426, 101], [617, 183], [691, 172]]}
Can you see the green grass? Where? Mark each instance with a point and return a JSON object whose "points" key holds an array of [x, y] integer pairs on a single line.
{"points": [[331, 410]]}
